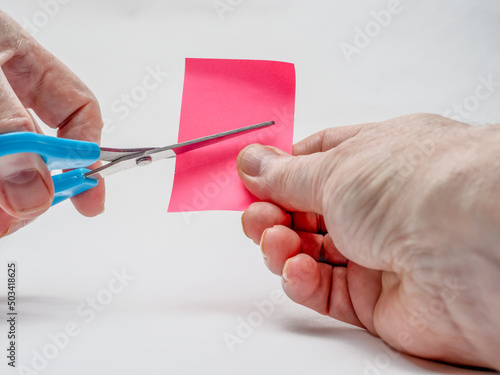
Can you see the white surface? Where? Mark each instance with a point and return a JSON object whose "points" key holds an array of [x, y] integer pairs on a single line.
{"points": [[197, 275]]}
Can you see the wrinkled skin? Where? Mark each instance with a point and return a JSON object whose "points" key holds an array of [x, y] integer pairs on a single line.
{"points": [[30, 77], [393, 226]]}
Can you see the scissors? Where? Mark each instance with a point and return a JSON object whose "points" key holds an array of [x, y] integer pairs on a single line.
{"points": [[61, 153]]}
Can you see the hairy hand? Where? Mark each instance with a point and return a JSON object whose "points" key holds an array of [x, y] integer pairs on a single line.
{"points": [[30, 77], [393, 226]]}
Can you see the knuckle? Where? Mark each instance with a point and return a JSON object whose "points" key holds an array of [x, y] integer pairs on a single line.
{"points": [[339, 310], [17, 123]]}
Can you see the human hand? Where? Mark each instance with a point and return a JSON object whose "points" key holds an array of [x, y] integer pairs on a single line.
{"points": [[393, 226], [30, 77]]}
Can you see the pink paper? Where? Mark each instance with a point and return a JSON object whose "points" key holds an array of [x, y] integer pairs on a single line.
{"points": [[222, 95]]}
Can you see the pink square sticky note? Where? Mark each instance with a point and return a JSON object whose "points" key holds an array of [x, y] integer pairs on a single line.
{"points": [[221, 95]]}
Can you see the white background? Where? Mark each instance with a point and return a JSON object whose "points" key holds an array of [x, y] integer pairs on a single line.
{"points": [[196, 277]]}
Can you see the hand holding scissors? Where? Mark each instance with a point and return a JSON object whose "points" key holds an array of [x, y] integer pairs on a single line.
{"points": [[32, 78], [60, 153]]}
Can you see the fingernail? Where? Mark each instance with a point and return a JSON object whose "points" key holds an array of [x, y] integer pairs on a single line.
{"points": [[14, 227], [262, 237], [252, 159], [243, 224], [265, 261], [284, 273], [26, 191], [262, 247]]}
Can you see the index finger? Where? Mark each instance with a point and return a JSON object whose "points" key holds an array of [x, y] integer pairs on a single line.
{"points": [[326, 139], [57, 96]]}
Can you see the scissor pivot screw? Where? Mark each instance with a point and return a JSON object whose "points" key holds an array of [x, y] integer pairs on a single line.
{"points": [[145, 160]]}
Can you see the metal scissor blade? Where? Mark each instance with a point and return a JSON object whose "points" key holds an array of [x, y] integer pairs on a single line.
{"points": [[113, 154], [143, 156], [179, 148]]}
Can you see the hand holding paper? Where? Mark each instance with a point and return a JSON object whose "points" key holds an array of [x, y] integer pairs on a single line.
{"points": [[393, 227]]}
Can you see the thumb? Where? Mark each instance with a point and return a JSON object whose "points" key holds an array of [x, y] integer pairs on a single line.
{"points": [[293, 182], [26, 187]]}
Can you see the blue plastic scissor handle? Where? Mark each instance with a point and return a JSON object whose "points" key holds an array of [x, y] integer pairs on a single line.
{"points": [[58, 153]]}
